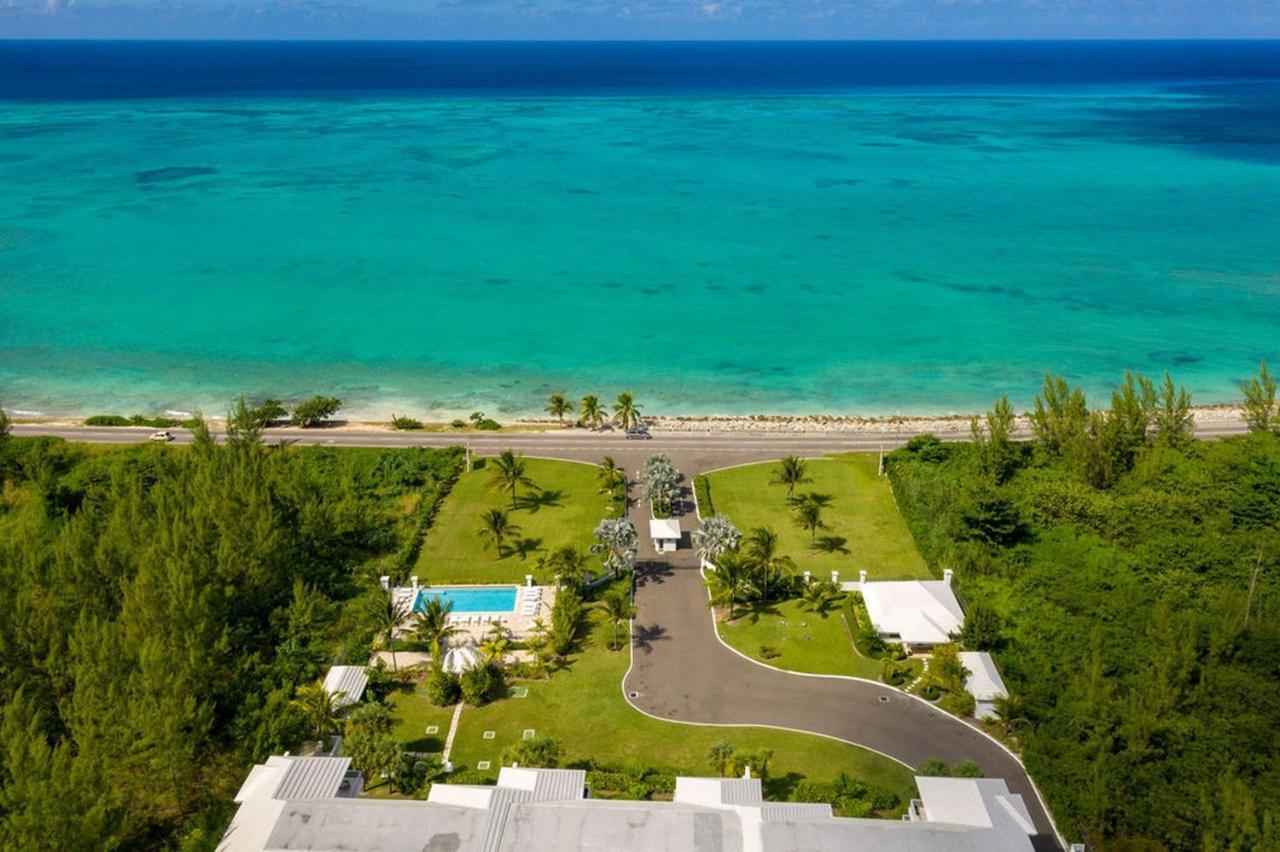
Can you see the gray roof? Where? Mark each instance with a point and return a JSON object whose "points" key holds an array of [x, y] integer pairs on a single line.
{"points": [[621, 826], [376, 824], [312, 778], [537, 809]]}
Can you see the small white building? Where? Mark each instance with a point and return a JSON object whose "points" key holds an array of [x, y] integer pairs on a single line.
{"points": [[983, 682], [917, 613], [665, 533], [347, 682]]}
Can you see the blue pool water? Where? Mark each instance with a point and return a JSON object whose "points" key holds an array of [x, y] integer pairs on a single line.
{"points": [[467, 599], [434, 229]]}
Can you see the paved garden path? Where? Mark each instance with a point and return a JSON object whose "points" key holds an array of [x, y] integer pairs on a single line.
{"points": [[683, 673]]}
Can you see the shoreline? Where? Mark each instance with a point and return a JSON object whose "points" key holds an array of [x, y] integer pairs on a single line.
{"points": [[1227, 414]]}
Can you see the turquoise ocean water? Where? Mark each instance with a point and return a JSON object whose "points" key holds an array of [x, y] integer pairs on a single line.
{"points": [[898, 248]]}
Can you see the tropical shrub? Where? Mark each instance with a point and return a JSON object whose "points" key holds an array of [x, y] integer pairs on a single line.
{"points": [[443, 688]]}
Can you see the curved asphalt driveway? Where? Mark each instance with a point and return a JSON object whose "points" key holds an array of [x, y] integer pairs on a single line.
{"points": [[680, 671]]}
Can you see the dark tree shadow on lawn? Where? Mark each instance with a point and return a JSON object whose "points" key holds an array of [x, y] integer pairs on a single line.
{"points": [[429, 744], [540, 500], [757, 609], [832, 544], [524, 547], [477, 463], [644, 635]]}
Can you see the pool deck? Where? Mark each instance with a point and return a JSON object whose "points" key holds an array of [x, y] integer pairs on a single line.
{"points": [[477, 624]]}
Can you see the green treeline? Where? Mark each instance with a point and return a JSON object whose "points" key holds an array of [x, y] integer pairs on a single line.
{"points": [[161, 606], [1126, 578]]}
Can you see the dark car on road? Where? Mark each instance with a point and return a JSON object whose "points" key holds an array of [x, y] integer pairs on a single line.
{"points": [[640, 433]]}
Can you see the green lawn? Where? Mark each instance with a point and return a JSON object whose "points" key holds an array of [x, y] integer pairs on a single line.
{"points": [[862, 512], [807, 642], [413, 714], [582, 707], [565, 513]]}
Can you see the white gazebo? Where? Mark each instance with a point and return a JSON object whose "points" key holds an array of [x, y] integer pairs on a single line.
{"points": [[665, 533], [459, 658]]}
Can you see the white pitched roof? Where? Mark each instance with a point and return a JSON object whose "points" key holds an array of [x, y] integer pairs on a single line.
{"points": [[349, 680], [664, 528], [984, 682], [983, 803], [918, 611]]}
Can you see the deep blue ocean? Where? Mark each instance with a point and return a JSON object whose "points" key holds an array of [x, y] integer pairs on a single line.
{"points": [[717, 227]]}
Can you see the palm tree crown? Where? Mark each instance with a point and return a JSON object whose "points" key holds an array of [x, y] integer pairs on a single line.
{"points": [[432, 628], [497, 528], [617, 608], [626, 411], [509, 473], [387, 616], [591, 410], [558, 405], [791, 471]]}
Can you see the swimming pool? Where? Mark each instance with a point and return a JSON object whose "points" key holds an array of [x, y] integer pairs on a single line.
{"points": [[470, 598]]}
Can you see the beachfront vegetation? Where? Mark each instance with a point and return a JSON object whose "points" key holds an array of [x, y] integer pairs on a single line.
{"points": [[845, 519], [162, 607], [591, 412], [406, 424], [1129, 578], [560, 514], [150, 421], [558, 405], [1260, 401], [314, 411], [626, 411]]}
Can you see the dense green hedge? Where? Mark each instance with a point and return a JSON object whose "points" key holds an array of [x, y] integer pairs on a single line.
{"points": [[702, 491]]}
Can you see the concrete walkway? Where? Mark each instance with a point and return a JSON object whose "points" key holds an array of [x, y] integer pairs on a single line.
{"points": [[682, 672]]}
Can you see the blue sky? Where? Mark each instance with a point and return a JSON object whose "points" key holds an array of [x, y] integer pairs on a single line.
{"points": [[640, 19]]}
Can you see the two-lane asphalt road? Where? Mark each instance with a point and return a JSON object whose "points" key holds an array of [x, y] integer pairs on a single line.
{"points": [[723, 447]]}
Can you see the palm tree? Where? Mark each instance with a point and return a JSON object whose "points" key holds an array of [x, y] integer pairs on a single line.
{"points": [[762, 550], [320, 708], [431, 627], [1011, 711], [808, 516], [558, 406], [730, 582], [497, 527], [571, 564], [819, 597], [610, 475], [509, 473], [591, 410], [387, 615], [790, 472], [493, 650], [617, 607], [721, 756], [625, 411]]}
